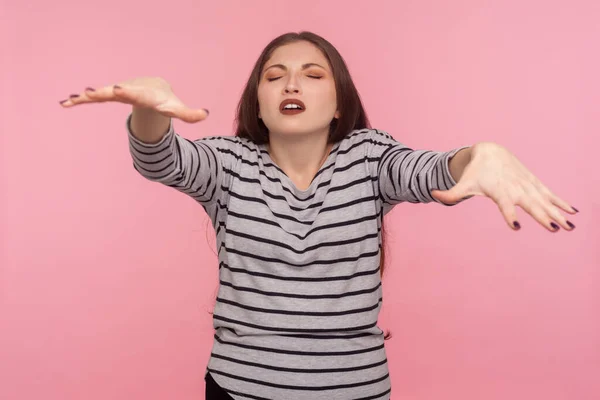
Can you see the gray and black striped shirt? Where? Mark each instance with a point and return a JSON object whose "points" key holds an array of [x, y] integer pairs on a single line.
{"points": [[300, 289]]}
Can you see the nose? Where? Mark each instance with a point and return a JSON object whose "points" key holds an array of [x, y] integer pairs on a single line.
{"points": [[291, 85], [290, 88]]}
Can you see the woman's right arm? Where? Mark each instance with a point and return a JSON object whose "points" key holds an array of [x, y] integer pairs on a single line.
{"points": [[197, 168], [192, 167]]}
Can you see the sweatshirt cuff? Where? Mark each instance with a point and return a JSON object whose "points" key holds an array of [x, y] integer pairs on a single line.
{"points": [[449, 155]]}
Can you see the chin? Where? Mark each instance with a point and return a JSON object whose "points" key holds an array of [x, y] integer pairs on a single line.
{"points": [[297, 128]]}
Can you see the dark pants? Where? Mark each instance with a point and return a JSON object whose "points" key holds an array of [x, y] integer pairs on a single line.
{"points": [[214, 391]]}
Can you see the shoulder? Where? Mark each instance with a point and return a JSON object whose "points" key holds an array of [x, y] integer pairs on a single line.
{"points": [[232, 145], [368, 135], [367, 141]]}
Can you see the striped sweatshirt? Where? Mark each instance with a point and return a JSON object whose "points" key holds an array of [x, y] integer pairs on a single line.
{"points": [[299, 281]]}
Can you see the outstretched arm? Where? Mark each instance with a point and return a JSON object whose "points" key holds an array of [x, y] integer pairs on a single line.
{"points": [[488, 169], [407, 175]]}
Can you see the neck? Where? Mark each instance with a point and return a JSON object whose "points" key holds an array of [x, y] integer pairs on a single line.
{"points": [[299, 156]]}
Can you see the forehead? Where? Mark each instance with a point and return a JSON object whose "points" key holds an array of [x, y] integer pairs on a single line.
{"points": [[297, 53]]}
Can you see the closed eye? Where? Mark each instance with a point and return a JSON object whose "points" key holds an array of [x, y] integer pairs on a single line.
{"points": [[310, 76]]}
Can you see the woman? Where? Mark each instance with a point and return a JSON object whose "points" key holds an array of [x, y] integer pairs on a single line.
{"points": [[297, 200]]}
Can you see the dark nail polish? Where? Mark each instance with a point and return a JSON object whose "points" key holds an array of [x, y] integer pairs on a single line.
{"points": [[117, 87], [91, 89], [74, 96], [570, 225], [576, 210], [63, 101], [554, 226], [207, 112], [517, 225]]}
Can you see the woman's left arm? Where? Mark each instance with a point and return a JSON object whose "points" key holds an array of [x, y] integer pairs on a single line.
{"points": [[489, 169]]}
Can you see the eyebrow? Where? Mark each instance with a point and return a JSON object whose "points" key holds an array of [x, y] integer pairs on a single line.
{"points": [[304, 66]]}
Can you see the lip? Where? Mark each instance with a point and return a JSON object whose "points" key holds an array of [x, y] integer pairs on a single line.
{"points": [[292, 101]]}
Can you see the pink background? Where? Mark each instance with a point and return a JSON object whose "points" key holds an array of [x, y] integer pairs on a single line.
{"points": [[106, 279]]}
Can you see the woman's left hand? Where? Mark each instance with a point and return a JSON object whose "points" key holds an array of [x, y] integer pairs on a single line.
{"points": [[496, 173]]}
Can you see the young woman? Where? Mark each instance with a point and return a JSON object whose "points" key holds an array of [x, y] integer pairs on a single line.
{"points": [[297, 199]]}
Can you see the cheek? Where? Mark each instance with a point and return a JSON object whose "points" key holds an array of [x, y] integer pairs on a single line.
{"points": [[265, 100], [331, 102], [260, 95], [331, 96], [262, 103]]}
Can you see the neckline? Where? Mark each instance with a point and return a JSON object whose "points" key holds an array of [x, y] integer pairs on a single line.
{"points": [[318, 175]]}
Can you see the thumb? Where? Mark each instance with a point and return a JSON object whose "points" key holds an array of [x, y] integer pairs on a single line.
{"points": [[192, 115], [452, 196]]}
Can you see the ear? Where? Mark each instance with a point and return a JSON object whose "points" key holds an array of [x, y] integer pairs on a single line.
{"points": [[259, 117], [336, 115]]}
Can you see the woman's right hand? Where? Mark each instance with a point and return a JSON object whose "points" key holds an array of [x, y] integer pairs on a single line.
{"points": [[150, 93]]}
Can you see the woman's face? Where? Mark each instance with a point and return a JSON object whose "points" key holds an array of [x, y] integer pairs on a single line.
{"points": [[297, 71]]}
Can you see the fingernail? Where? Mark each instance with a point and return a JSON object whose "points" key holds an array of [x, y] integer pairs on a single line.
{"points": [[91, 89], [517, 225], [570, 225], [117, 87], [554, 226], [73, 96], [576, 210], [63, 101], [207, 112]]}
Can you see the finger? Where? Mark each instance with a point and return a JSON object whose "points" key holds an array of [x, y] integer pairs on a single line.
{"points": [[182, 112], [509, 211], [534, 206], [554, 199], [554, 214], [192, 115], [560, 203], [74, 99], [119, 92], [131, 94], [91, 95]]}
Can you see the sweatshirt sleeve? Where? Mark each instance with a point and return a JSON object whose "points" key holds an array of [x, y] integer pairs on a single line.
{"points": [[200, 168], [409, 175]]}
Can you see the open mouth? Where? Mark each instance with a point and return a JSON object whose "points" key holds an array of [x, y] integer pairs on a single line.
{"points": [[291, 107]]}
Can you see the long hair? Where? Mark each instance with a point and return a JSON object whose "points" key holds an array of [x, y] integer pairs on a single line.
{"points": [[352, 113]]}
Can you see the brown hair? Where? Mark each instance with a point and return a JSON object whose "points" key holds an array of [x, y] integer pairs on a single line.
{"points": [[349, 105]]}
